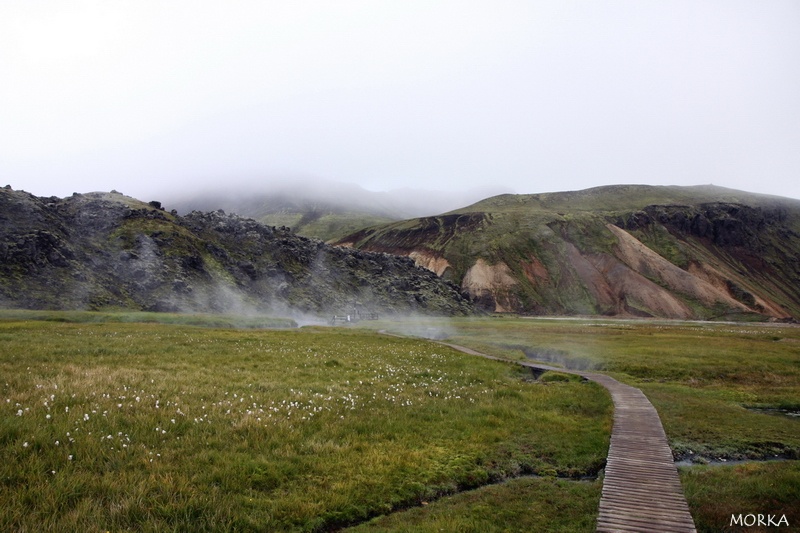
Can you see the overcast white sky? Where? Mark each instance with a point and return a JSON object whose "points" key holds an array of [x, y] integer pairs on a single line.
{"points": [[530, 96]]}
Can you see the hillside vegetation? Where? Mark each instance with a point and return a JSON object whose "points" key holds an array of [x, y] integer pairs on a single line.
{"points": [[676, 252]]}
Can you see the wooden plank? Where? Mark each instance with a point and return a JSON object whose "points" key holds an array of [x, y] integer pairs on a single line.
{"points": [[633, 517]]}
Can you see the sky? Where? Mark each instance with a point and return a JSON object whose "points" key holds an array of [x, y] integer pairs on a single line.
{"points": [[523, 96]]}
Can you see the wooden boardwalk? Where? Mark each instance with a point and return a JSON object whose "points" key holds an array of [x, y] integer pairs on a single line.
{"points": [[641, 488]]}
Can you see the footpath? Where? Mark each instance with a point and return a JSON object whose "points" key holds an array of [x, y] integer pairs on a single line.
{"points": [[641, 488]]}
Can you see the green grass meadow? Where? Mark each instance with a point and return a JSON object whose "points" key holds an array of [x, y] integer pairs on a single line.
{"points": [[720, 390], [144, 422], [712, 384], [162, 427]]}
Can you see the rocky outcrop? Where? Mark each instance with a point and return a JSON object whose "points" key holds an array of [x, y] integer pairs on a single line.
{"points": [[106, 250], [724, 224]]}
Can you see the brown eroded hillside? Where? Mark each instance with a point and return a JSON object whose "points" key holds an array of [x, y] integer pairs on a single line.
{"points": [[674, 252]]}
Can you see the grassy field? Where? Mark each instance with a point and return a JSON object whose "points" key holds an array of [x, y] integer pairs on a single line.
{"points": [[710, 382], [169, 422], [715, 493], [719, 389], [121, 425], [143, 317], [544, 505]]}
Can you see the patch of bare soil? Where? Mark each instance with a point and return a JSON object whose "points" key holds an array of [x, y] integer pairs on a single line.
{"points": [[637, 294], [491, 283], [619, 290], [432, 262], [607, 298], [535, 271], [648, 263]]}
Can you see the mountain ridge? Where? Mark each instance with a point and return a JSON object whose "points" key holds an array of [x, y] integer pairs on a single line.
{"points": [[625, 250], [702, 252]]}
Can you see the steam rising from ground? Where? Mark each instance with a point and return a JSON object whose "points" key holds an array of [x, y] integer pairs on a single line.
{"points": [[231, 301], [570, 362], [424, 327]]}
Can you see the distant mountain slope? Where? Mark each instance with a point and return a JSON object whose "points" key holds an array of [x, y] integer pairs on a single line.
{"points": [[677, 252], [106, 250], [320, 209]]}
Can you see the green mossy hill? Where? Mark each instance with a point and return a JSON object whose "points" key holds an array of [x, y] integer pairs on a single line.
{"points": [[109, 251], [701, 252]]}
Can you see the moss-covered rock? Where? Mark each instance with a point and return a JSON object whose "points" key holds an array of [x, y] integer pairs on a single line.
{"points": [[106, 250]]}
